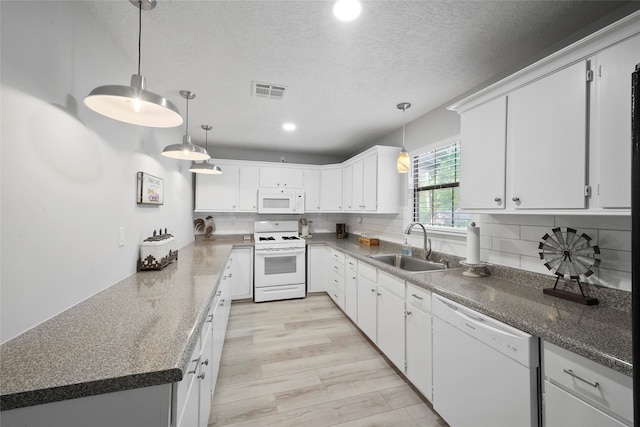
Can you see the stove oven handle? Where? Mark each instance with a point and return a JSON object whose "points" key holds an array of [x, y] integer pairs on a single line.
{"points": [[279, 251]]}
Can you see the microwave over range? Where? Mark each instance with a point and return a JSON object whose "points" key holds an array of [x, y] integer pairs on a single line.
{"points": [[281, 200]]}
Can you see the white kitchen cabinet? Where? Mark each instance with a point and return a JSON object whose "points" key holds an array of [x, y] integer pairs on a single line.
{"points": [[483, 138], [580, 392], [336, 273], [364, 188], [391, 318], [418, 340], [368, 300], [248, 188], [282, 176], [611, 114], [316, 266], [374, 181], [241, 273], [347, 188], [331, 189], [547, 141], [221, 309], [218, 193], [351, 288], [312, 190]]}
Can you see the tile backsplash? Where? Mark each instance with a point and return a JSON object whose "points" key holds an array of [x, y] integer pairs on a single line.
{"points": [[508, 240]]}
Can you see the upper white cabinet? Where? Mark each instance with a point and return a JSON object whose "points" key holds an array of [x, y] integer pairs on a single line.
{"points": [[347, 188], [248, 189], [331, 189], [547, 141], [218, 193], [279, 177], [611, 115], [483, 138], [312, 190]]}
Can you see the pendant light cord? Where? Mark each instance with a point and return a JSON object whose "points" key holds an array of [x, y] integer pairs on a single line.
{"points": [[186, 130], [139, 33], [403, 122]]}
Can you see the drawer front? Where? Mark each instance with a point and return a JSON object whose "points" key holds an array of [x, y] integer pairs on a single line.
{"points": [[337, 281], [596, 384], [419, 298], [336, 267], [392, 283], [336, 255], [336, 296], [352, 264], [368, 272]]}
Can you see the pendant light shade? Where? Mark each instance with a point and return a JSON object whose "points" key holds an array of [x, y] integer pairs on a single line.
{"points": [[404, 162], [186, 150], [134, 104], [205, 167]]}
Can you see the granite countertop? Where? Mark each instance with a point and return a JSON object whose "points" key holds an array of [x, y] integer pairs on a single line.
{"points": [[599, 332], [137, 333]]}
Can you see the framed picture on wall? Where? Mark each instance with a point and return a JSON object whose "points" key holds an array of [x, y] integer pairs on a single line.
{"points": [[150, 190]]}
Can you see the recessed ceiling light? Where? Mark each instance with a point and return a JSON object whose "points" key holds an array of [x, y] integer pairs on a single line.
{"points": [[347, 10], [289, 126]]}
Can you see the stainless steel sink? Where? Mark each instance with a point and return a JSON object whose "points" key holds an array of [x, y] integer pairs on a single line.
{"points": [[408, 263]]}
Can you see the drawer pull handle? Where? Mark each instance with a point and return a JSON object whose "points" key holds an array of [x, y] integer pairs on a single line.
{"points": [[417, 296], [578, 377], [201, 376]]}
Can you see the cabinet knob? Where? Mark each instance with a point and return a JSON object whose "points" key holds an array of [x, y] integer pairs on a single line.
{"points": [[497, 200], [209, 318], [206, 362], [408, 313], [379, 294], [373, 290], [201, 376], [515, 199]]}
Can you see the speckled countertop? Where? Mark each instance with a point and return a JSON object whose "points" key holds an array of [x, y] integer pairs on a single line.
{"points": [[137, 333], [600, 333]]}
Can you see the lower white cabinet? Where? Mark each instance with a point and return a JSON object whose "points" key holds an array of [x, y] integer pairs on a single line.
{"points": [[241, 273], [580, 392], [368, 300], [419, 346], [351, 288], [316, 261], [390, 319]]}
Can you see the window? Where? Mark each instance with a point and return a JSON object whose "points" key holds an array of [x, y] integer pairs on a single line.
{"points": [[436, 187]]}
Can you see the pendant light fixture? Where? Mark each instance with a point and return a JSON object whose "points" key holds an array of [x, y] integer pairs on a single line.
{"points": [[205, 167], [133, 104], [403, 162], [186, 150]]}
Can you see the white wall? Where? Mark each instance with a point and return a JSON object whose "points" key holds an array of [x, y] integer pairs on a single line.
{"points": [[68, 174]]}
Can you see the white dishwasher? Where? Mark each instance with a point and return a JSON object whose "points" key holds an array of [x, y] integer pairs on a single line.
{"points": [[485, 373]]}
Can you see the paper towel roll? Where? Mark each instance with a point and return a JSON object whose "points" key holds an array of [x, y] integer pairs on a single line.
{"points": [[473, 244]]}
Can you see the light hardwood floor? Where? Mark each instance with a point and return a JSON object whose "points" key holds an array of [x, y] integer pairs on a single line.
{"points": [[303, 363]]}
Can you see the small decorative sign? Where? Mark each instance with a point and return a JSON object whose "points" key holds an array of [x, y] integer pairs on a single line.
{"points": [[150, 189]]}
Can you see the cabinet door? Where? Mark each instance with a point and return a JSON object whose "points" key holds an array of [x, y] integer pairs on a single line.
{"points": [[483, 137], [613, 110], [331, 190], [391, 326], [347, 188], [367, 307], [419, 363], [357, 201], [546, 137], [293, 177], [241, 273], [270, 177], [205, 378], [351, 288], [316, 255], [312, 190], [370, 183], [278, 177], [218, 193], [248, 188]]}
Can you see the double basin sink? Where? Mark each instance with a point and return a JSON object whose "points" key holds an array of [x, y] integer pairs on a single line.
{"points": [[408, 263]]}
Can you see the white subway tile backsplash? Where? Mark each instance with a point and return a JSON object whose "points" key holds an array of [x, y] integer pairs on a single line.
{"points": [[518, 219], [500, 258], [615, 239], [533, 233], [594, 221], [614, 279], [512, 246], [615, 260], [500, 230], [535, 264]]}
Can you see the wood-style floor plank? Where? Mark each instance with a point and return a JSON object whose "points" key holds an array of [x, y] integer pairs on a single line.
{"points": [[303, 363]]}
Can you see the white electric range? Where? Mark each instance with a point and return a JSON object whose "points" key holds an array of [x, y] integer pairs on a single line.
{"points": [[279, 254]]}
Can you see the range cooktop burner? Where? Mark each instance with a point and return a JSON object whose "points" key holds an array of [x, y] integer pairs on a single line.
{"points": [[267, 238], [289, 238]]}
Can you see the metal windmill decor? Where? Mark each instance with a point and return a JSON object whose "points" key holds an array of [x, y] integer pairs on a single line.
{"points": [[569, 254]]}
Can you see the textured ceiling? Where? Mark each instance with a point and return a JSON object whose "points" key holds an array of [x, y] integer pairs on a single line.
{"points": [[343, 80]]}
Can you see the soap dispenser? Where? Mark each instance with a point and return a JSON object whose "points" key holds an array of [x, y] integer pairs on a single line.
{"points": [[406, 249]]}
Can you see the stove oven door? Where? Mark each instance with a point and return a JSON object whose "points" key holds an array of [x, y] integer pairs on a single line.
{"points": [[279, 266]]}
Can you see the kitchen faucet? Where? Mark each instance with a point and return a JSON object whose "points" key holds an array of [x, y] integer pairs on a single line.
{"points": [[427, 242]]}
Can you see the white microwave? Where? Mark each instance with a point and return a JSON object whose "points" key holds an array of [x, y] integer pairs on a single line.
{"points": [[281, 200]]}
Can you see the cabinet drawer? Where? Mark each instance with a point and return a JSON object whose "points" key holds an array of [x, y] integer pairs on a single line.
{"points": [[336, 280], [336, 295], [336, 267], [368, 272], [352, 263], [336, 255], [419, 298], [598, 385], [392, 283]]}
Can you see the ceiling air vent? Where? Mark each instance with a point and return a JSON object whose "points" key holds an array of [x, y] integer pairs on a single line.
{"points": [[267, 90]]}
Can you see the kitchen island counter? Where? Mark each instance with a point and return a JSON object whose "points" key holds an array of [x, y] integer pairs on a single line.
{"points": [[598, 332], [136, 333]]}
